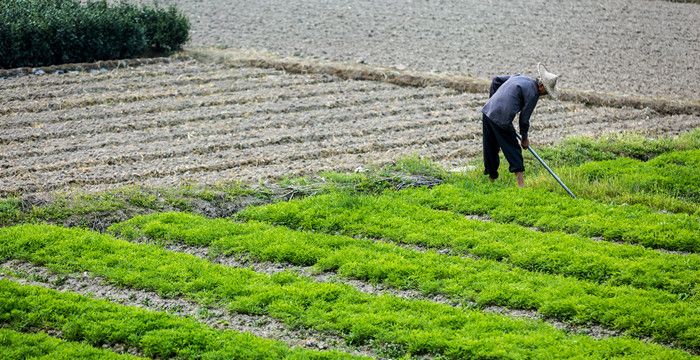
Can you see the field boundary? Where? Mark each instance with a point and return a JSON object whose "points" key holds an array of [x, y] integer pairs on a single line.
{"points": [[348, 71], [97, 65], [359, 71]]}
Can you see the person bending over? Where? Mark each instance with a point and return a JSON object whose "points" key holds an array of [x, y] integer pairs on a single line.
{"points": [[508, 96]]}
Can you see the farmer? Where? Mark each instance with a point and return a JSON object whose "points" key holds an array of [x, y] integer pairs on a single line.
{"points": [[508, 96]]}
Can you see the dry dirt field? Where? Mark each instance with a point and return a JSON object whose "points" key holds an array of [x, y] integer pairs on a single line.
{"points": [[202, 122], [617, 46]]}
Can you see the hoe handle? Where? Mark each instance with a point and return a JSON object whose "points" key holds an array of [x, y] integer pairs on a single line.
{"points": [[532, 151]]}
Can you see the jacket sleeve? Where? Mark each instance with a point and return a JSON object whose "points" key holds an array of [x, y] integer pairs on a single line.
{"points": [[525, 113], [496, 83]]}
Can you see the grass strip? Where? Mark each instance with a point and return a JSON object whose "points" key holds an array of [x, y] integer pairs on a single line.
{"points": [[632, 224], [618, 191], [16, 345], [604, 169], [486, 282], [156, 334], [578, 150], [392, 217], [671, 175], [397, 326], [99, 210]]}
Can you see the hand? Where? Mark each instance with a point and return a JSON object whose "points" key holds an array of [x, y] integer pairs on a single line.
{"points": [[525, 143]]}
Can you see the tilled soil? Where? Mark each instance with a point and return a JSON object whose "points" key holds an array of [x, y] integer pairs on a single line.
{"points": [[617, 46], [187, 121]]}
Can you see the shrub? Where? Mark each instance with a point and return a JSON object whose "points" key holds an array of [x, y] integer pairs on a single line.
{"points": [[46, 32], [166, 30]]}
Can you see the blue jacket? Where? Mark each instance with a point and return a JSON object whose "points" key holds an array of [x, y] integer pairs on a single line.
{"points": [[510, 95]]}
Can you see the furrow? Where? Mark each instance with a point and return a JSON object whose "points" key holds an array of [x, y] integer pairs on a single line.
{"points": [[124, 74], [292, 104], [549, 132], [101, 126], [220, 123], [212, 315], [120, 85], [253, 172], [220, 170], [124, 110], [94, 114], [108, 174], [141, 95], [323, 129], [198, 108]]}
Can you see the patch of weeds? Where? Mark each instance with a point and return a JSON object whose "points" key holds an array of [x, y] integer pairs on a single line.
{"points": [[59, 280], [579, 150], [141, 198], [10, 211], [99, 210], [203, 313], [176, 309], [38, 278]]}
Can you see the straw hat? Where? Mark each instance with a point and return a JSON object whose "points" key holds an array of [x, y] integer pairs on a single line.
{"points": [[549, 80]]}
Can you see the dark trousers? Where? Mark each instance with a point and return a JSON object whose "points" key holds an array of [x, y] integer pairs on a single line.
{"points": [[497, 138]]}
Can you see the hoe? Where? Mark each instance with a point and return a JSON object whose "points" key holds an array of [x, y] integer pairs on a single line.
{"points": [[532, 151]]}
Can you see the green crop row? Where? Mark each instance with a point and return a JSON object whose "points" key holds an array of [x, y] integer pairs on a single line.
{"points": [[155, 334], [624, 169], [633, 224], [484, 281], [673, 174], [668, 182], [416, 327], [393, 218], [580, 150], [615, 190], [47, 32], [16, 345]]}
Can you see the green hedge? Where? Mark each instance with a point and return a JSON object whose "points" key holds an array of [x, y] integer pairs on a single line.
{"points": [[46, 32]]}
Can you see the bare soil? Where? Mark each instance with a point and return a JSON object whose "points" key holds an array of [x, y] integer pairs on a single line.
{"points": [[195, 122], [616, 46]]}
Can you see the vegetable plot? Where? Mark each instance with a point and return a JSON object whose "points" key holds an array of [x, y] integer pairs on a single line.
{"points": [[393, 325]]}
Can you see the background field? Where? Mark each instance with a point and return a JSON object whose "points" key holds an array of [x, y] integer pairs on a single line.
{"points": [[154, 209], [619, 46]]}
